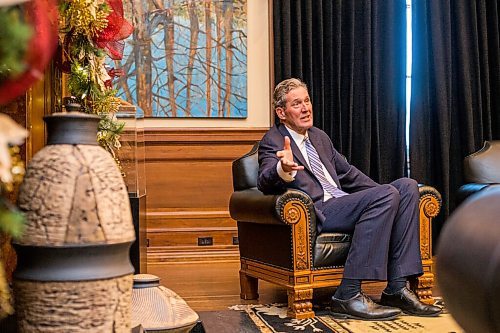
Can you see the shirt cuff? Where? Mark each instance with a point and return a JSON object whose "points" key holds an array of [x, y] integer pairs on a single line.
{"points": [[286, 176]]}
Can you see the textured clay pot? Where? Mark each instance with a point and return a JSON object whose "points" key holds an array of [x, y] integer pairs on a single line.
{"points": [[74, 272], [158, 309]]}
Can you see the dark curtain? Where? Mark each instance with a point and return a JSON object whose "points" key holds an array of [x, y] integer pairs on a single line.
{"points": [[455, 102], [352, 56]]}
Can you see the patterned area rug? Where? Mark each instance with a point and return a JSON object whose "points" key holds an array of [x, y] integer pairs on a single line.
{"points": [[271, 318]]}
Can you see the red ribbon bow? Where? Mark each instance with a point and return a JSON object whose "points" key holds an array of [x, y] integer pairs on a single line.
{"points": [[111, 38]]}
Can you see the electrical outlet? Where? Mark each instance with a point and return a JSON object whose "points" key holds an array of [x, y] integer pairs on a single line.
{"points": [[205, 241], [236, 241]]}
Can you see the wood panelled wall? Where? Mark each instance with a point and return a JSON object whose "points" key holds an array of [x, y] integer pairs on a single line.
{"points": [[188, 185]]}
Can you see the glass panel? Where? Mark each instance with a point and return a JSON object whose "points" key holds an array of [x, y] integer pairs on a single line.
{"points": [[132, 152]]}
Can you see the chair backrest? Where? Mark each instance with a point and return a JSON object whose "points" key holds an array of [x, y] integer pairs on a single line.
{"points": [[245, 170], [484, 165]]}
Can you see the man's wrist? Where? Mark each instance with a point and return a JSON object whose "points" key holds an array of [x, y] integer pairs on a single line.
{"points": [[286, 176]]}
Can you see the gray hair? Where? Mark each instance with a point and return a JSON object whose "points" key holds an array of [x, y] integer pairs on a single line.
{"points": [[283, 88]]}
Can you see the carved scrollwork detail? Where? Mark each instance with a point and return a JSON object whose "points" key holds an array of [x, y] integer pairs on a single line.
{"points": [[426, 281], [301, 262], [430, 206], [301, 250], [300, 295], [423, 288], [292, 215], [432, 209], [424, 251], [424, 239], [301, 309], [299, 303]]}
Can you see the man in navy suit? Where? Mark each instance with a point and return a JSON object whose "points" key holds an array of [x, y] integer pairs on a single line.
{"points": [[383, 219]]}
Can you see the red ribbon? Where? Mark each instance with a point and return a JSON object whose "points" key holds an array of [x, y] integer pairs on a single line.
{"points": [[113, 72], [111, 38]]}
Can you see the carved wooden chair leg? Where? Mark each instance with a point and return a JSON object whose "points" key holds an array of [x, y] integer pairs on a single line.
{"points": [[300, 303], [422, 286], [249, 286]]}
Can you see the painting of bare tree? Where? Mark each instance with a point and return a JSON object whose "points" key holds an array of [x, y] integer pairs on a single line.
{"points": [[186, 58]]}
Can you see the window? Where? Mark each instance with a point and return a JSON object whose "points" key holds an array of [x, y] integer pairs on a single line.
{"points": [[408, 80]]}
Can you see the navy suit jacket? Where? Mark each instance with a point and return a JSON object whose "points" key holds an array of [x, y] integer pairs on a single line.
{"points": [[347, 176]]}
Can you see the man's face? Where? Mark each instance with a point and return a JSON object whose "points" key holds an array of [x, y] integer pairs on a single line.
{"points": [[297, 113]]}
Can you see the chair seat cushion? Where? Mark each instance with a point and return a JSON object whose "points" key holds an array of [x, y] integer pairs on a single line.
{"points": [[331, 249]]}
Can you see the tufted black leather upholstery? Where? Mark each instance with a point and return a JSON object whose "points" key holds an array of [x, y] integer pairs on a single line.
{"points": [[262, 234], [481, 170]]}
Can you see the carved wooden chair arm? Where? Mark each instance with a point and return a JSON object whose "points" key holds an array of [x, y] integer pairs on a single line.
{"points": [[429, 207], [430, 200]]}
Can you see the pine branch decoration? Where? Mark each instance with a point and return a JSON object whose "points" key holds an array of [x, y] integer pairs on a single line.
{"points": [[89, 82]]}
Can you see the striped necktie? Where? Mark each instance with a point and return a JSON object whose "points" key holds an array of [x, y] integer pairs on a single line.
{"points": [[317, 169]]}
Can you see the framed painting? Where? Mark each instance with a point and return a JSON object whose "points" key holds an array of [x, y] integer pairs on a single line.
{"points": [[186, 58]]}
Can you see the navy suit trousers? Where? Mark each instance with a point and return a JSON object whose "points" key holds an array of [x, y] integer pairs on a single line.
{"points": [[384, 222]]}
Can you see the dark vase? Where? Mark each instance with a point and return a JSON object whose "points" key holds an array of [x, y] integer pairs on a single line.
{"points": [[74, 272]]}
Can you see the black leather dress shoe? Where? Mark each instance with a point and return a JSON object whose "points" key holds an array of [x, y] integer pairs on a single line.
{"points": [[406, 300], [362, 307]]}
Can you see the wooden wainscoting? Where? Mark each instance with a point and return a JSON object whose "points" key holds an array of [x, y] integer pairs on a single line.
{"points": [[188, 185]]}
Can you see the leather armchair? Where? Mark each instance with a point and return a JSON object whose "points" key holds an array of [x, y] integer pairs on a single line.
{"points": [[481, 170], [279, 243]]}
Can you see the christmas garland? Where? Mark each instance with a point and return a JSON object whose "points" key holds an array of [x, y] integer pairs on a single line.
{"points": [[11, 175], [87, 28], [13, 42]]}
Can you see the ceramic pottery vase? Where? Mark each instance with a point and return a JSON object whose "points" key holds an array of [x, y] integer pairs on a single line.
{"points": [[74, 272], [159, 309]]}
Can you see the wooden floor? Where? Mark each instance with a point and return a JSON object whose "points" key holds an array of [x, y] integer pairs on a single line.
{"points": [[211, 286], [215, 286]]}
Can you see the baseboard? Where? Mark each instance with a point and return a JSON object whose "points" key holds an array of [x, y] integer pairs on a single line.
{"points": [[190, 254]]}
